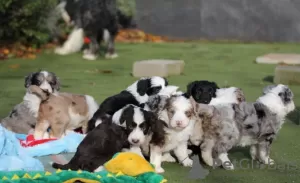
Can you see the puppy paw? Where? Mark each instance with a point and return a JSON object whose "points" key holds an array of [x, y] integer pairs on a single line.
{"points": [[268, 161], [111, 56], [86, 51], [168, 158], [228, 166], [187, 162], [189, 152], [271, 161], [89, 56], [159, 170], [125, 150]]}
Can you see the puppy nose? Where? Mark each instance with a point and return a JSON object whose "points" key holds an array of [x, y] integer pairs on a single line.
{"points": [[135, 141], [178, 123]]}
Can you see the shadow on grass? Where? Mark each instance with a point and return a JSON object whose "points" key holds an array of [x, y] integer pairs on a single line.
{"points": [[295, 116], [269, 79]]}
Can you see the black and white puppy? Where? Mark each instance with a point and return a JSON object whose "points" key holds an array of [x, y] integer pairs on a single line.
{"points": [[144, 127], [98, 147], [136, 94], [202, 91], [92, 18], [22, 118]]}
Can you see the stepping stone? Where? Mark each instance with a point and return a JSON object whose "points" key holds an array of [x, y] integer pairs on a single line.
{"points": [[158, 67], [286, 74], [276, 58]]}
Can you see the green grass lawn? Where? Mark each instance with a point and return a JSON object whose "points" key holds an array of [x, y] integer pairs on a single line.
{"points": [[227, 64]]}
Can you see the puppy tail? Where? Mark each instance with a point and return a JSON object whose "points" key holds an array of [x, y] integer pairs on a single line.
{"points": [[96, 120]]}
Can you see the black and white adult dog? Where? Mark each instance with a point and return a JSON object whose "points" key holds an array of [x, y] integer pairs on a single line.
{"points": [[244, 124], [96, 19], [22, 118], [202, 91], [136, 94], [98, 147]]}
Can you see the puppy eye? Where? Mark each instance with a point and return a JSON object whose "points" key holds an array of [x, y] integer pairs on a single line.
{"points": [[280, 94], [188, 113], [172, 112], [142, 126]]}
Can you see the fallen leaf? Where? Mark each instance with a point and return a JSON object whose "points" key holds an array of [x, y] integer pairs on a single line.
{"points": [[14, 66], [106, 71]]}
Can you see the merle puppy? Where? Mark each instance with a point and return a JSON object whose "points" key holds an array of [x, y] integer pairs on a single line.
{"points": [[253, 124], [97, 147], [22, 118], [136, 94], [202, 91]]}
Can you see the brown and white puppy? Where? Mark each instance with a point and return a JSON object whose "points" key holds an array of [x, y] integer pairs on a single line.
{"points": [[62, 112], [177, 111], [22, 118]]}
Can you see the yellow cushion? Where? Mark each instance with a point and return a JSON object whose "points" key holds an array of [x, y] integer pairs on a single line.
{"points": [[128, 163]]}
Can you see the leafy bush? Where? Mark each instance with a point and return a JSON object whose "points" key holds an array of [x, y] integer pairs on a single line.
{"points": [[25, 20], [127, 7], [126, 13]]}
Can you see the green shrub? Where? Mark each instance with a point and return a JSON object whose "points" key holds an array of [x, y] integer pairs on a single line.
{"points": [[127, 7], [25, 20]]}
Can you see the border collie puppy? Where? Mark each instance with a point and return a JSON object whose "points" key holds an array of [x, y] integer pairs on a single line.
{"points": [[143, 126], [22, 119], [136, 94], [93, 18], [202, 91], [97, 147], [177, 111], [245, 124]]}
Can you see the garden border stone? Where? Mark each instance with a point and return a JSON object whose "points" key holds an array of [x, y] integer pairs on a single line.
{"points": [[158, 67]]}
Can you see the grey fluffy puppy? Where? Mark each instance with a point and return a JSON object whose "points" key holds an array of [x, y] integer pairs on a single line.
{"points": [[22, 119], [245, 124]]}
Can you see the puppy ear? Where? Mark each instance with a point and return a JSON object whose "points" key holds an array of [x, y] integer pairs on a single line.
{"points": [[194, 103], [189, 88], [215, 86], [56, 82], [156, 127], [142, 86], [240, 95], [153, 90], [28, 79], [126, 114], [166, 81], [288, 93]]}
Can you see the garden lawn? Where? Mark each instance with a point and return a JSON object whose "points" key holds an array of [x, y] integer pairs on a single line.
{"points": [[227, 64]]}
